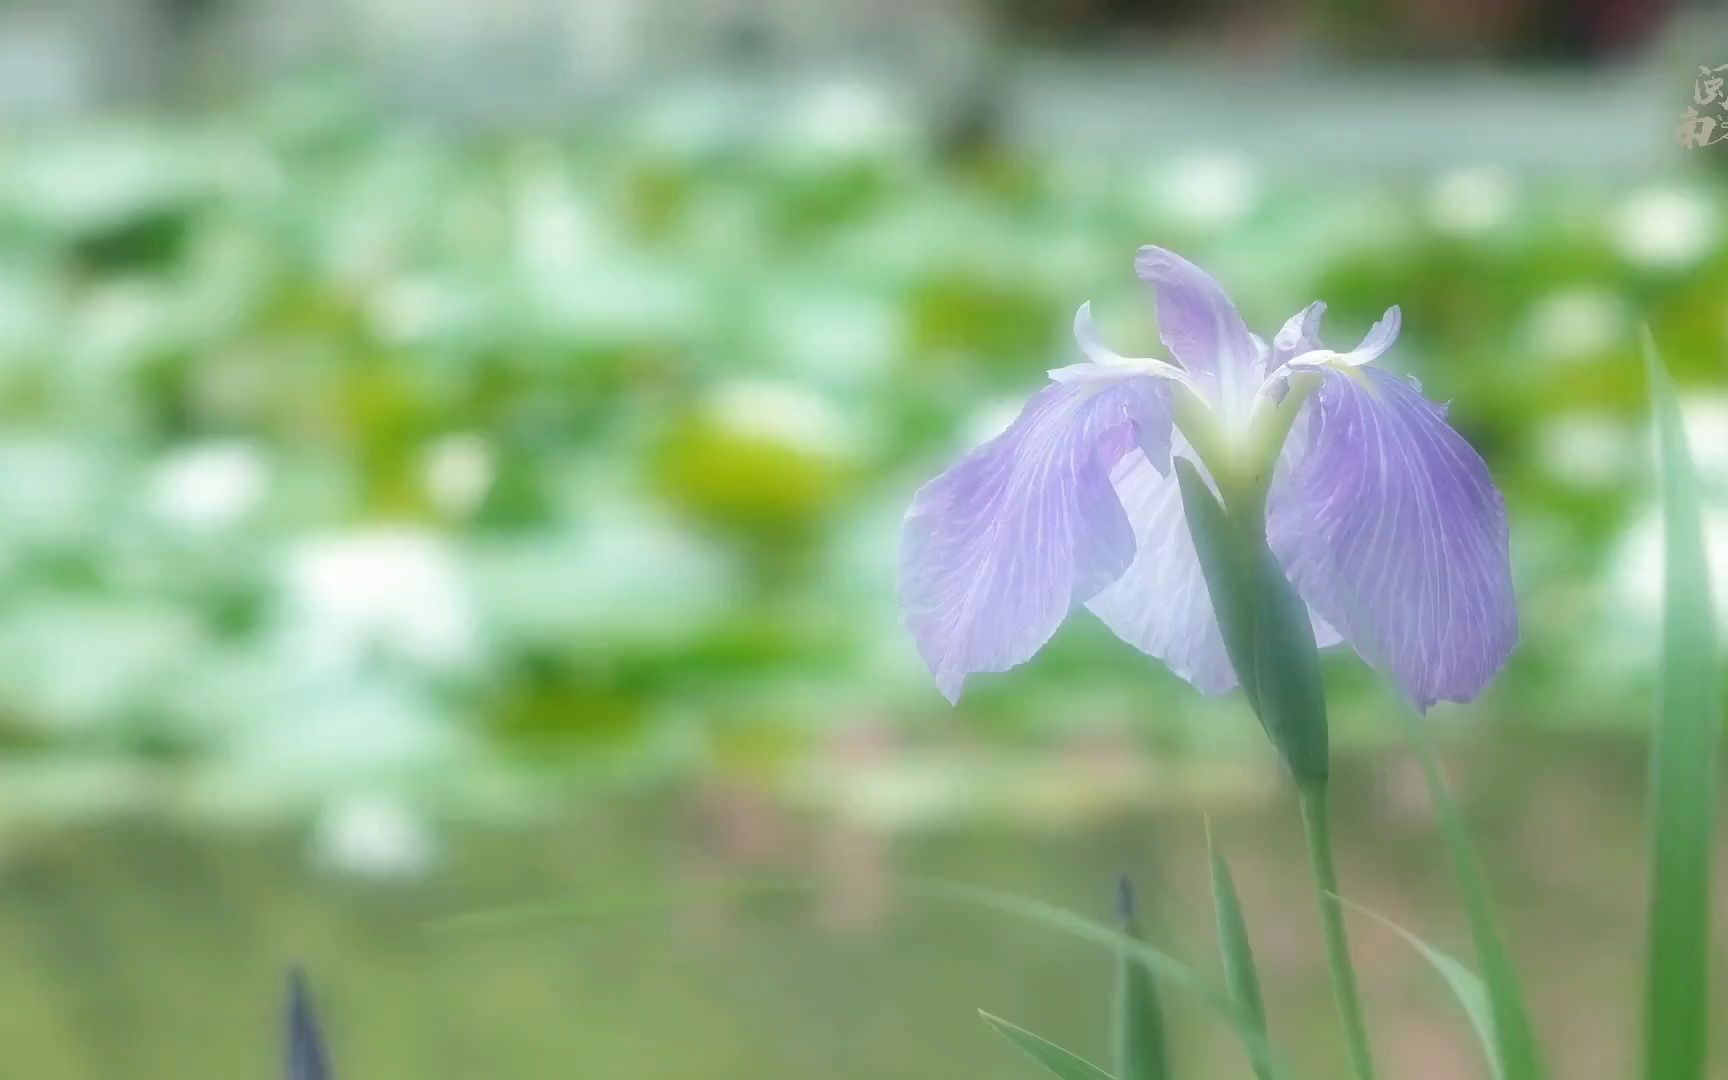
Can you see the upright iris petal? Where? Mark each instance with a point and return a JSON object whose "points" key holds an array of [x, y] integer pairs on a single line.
{"points": [[997, 550], [1202, 328], [1393, 530]]}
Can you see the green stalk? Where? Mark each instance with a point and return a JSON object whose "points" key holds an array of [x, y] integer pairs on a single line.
{"points": [[1317, 826]]}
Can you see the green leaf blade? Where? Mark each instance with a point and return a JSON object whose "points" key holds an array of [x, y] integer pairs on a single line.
{"points": [[1682, 764], [1241, 977], [1142, 1037], [1467, 988], [1265, 626], [1517, 1051], [1060, 1063]]}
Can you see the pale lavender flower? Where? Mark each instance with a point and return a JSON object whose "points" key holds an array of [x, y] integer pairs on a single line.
{"points": [[1385, 520]]}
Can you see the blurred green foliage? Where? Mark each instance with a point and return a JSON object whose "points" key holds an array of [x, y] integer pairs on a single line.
{"points": [[338, 450]]}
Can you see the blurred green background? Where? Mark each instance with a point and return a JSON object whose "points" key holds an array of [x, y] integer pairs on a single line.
{"points": [[452, 455]]}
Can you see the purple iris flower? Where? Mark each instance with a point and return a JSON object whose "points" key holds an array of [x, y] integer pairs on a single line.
{"points": [[1384, 519]]}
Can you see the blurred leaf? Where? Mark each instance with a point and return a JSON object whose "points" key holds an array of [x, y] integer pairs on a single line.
{"points": [[1683, 765], [1241, 980], [1056, 1061], [1466, 987], [1142, 1038]]}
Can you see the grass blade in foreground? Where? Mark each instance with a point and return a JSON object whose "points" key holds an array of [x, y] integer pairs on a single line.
{"points": [[1466, 987], [1514, 1040], [1142, 1047], [1241, 980], [1056, 1061], [614, 902], [1682, 765]]}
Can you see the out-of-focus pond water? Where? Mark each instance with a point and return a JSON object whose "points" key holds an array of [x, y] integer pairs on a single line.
{"points": [[143, 950]]}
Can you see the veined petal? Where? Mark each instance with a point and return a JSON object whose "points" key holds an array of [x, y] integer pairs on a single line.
{"points": [[1161, 605], [1393, 531], [996, 551], [1202, 328]]}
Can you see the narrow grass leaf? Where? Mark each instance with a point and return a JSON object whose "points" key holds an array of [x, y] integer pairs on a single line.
{"points": [[1682, 765], [1142, 1037], [1472, 995], [1515, 1044], [1064, 1064], [1170, 971], [1241, 979]]}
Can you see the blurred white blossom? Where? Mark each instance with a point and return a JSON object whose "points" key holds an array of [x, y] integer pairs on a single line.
{"points": [[1472, 201], [626, 573], [384, 593], [1577, 323], [843, 119], [1206, 190], [374, 837], [459, 470], [209, 487], [1664, 227], [784, 412], [1588, 451]]}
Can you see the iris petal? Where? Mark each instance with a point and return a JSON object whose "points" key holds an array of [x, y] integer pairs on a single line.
{"points": [[1104, 363], [1300, 334], [1307, 351], [1160, 604], [1201, 327], [997, 550], [1393, 530], [1377, 340]]}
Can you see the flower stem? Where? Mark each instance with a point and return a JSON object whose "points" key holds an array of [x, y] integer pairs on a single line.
{"points": [[1316, 824]]}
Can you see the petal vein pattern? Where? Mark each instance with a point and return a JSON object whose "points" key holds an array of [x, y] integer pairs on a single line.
{"points": [[998, 549], [1395, 534]]}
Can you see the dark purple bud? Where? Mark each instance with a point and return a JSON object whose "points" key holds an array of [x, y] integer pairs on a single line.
{"points": [[304, 1057]]}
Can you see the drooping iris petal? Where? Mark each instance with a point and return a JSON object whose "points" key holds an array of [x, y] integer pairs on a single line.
{"points": [[997, 550], [1393, 530], [1202, 328], [1160, 604]]}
